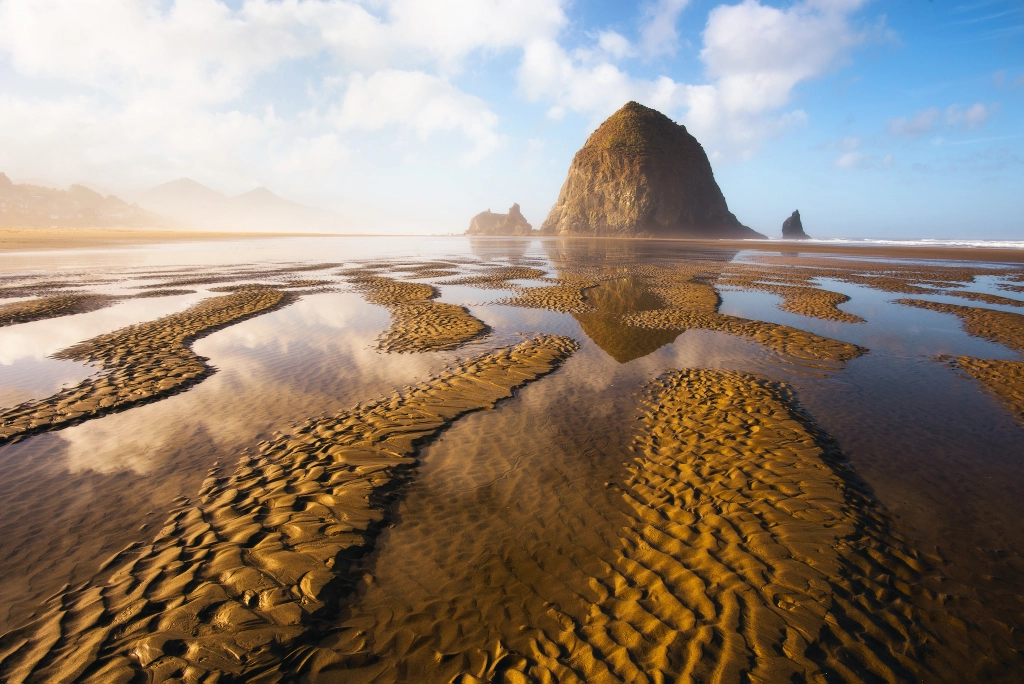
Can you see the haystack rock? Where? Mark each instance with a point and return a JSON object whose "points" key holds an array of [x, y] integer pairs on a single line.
{"points": [[640, 174], [793, 229], [489, 223]]}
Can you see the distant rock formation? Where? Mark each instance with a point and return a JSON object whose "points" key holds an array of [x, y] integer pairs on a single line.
{"points": [[793, 229], [488, 223], [641, 174]]}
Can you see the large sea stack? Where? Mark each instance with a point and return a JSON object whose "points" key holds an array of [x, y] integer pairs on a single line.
{"points": [[640, 174], [489, 223], [793, 228]]}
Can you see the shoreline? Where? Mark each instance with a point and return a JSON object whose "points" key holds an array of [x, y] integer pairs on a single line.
{"points": [[36, 239], [984, 254], [989, 254]]}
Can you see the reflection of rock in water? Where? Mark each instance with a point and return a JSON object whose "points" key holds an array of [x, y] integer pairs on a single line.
{"points": [[622, 342], [509, 248], [582, 250]]}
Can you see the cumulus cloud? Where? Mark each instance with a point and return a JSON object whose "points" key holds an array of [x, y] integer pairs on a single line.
{"points": [[421, 103], [598, 88], [151, 88], [658, 33], [853, 157], [138, 91], [754, 56], [927, 120], [919, 124], [971, 118]]}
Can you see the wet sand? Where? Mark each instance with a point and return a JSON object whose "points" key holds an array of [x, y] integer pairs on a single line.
{"points": [[51, 307], [138, 364], [237, 584], [668, 505]]}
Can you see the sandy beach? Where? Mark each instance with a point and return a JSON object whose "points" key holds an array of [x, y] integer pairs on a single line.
{"points": [[32, 239], [440, 459]]}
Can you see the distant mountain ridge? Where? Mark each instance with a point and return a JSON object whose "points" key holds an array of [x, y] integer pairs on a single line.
{"points": [[179, 204], [191, 203], [28, 205]]}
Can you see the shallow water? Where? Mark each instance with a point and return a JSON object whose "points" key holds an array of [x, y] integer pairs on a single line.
{"points": [[510, 506]]}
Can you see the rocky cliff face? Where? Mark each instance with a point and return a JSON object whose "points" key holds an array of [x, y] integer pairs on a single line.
{"points": [[793, 228], [489, 223], [641, 174]]}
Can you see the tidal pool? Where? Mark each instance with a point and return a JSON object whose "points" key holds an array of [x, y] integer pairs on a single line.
{"points": [[454, 459]]}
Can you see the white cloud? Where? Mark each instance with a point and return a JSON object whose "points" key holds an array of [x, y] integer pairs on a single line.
{"points": [[971, 118], [854, 157], [615, 44], [151, 89], [419, 102], [849, 160], [756, 55], [658, 26], [927, 120], [547, 71], [919, 124]]}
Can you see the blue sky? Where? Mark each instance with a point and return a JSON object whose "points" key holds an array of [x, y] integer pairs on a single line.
{"points": [[894, 119]]}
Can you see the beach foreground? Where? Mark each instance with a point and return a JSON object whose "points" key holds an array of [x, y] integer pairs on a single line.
{"points": [[447, 459]]}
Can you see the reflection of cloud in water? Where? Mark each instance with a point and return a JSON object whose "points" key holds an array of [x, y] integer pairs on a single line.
{"points": [[40, 339], [26, 369], [274, 370], [102, 446]]}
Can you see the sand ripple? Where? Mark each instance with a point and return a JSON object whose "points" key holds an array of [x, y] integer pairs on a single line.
{"points": [[790, 342], [1005, 379], [804, 301], [1003, 327], [565, 297], [753, 553], [236, 584], [139, 363], [418, 323], [52, 307]]}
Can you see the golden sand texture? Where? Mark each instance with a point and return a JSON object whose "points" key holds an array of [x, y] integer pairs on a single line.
{"points": [[791, 342], [904, 278], [161, 293], [139, 363], [256, 272], [985, 297], [752, 553], [237, 585], [418, 324], [693, 296], [1003, 327], [1004, 379], [52, 307], [565, 297], [802, 300], [433, 273], [289, 284], [497, 278]]}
